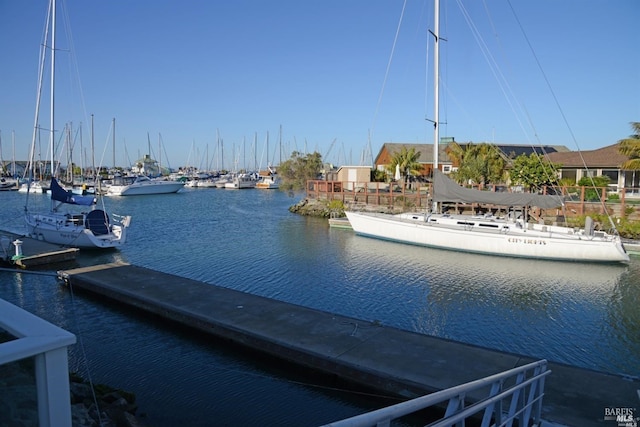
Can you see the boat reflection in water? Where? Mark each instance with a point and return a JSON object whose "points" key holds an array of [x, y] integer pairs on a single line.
{"points": [[548, 309]]}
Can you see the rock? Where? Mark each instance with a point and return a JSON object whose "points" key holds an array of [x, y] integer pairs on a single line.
{"points": [[311, 207], [115, 408]]}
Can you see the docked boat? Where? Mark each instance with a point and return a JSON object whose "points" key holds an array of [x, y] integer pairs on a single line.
{"points": [[223, 180], [268, 180], [33, 187], [92, 228], [142, 185], [87, 228], [241, 181], [510, 235], [8, 184], [207, 183]]}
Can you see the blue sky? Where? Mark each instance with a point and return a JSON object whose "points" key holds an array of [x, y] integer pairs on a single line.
{"points": [[183, 72]]}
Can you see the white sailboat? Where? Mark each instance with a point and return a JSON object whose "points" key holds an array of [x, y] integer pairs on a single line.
{"points": [[86, 229], [509, 236], [269, 179]]}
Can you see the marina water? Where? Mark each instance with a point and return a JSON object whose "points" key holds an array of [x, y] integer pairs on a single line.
{"points": [[579, 314]]}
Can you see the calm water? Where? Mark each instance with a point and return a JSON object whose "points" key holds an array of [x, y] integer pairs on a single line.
{"points": [[582, 315]]}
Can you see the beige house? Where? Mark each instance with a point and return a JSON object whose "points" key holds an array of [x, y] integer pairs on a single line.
{"points": [[604, 161]]}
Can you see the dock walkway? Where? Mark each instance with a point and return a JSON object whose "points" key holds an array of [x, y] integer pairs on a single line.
{"points": [[400, 362], [34, 252]]}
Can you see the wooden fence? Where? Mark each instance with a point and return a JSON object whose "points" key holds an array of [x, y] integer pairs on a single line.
{"points": [[404, 197]]}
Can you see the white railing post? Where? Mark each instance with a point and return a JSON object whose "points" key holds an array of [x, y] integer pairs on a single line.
{"points": [[47, 345], [52, 380]]}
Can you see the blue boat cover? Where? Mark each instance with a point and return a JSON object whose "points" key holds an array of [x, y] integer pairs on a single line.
{"points": [[60, 194]]}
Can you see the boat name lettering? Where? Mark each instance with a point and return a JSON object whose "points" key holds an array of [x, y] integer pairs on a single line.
{"points": [[527, 241]]}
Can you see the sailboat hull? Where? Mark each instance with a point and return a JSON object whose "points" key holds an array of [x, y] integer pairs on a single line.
{"points": [[74, 231], [490, 236], [142, 185]]}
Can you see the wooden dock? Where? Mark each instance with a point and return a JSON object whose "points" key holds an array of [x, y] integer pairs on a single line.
{"points": [[35, 253], [395, 361]]}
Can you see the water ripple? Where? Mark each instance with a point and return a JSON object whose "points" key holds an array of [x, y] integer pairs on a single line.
{"points": [[580, 314]]}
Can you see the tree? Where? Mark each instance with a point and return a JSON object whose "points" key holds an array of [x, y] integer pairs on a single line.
{"points": [[631, 147], [407, 160], [378, 175], [455, 153], [300, 168], [533, 172], [482, 163]]}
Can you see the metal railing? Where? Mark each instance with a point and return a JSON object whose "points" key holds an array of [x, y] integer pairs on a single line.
{"points": [[513, 396], [31, 338]]}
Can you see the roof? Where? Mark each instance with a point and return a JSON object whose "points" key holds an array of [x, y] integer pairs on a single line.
{"points": [[425, 150], [509, 150], [513, 150], [601, 158], [354, 167]]}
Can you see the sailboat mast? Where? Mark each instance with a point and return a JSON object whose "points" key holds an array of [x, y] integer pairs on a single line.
{"points": [[93, 156], [436, 84], [114, 144], [53, 70]]}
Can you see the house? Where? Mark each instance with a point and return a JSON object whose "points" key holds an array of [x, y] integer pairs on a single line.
{"points": [[510, 151], [389, 149], [605, 161]]}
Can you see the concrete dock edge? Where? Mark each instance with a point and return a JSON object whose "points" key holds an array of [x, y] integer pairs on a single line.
{"points": [[395, 361]]}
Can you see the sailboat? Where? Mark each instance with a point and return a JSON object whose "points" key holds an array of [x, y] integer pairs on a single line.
{"points": [[85, 229], [510, 235], [269, 179]]}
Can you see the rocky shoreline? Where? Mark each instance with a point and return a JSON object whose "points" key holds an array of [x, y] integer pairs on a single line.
{"points": [[115, 408], [100, 406], [335, 208]]}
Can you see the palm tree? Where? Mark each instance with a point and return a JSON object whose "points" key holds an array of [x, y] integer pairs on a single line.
{"points": [[407, 160], [631, 147], [481, 163], [455, 153]]}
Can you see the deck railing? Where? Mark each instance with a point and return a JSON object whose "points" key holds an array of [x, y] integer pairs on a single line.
{"points": [[510, 397], [33, 354], [580, 200]]}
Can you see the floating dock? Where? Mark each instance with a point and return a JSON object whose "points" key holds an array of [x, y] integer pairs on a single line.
{"points": [[395, 361], [632, 246], [342, 222], [32, 252]]}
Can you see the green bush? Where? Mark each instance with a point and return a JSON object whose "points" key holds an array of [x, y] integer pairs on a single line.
{"points": [[336, 205], [592, 194]]}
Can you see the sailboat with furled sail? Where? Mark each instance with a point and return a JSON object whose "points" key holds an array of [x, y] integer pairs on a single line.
{"points": [[91, 228], [512, 235]]}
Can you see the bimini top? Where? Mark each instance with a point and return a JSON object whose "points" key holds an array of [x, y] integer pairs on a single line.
{"points": [[447, 190]]}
